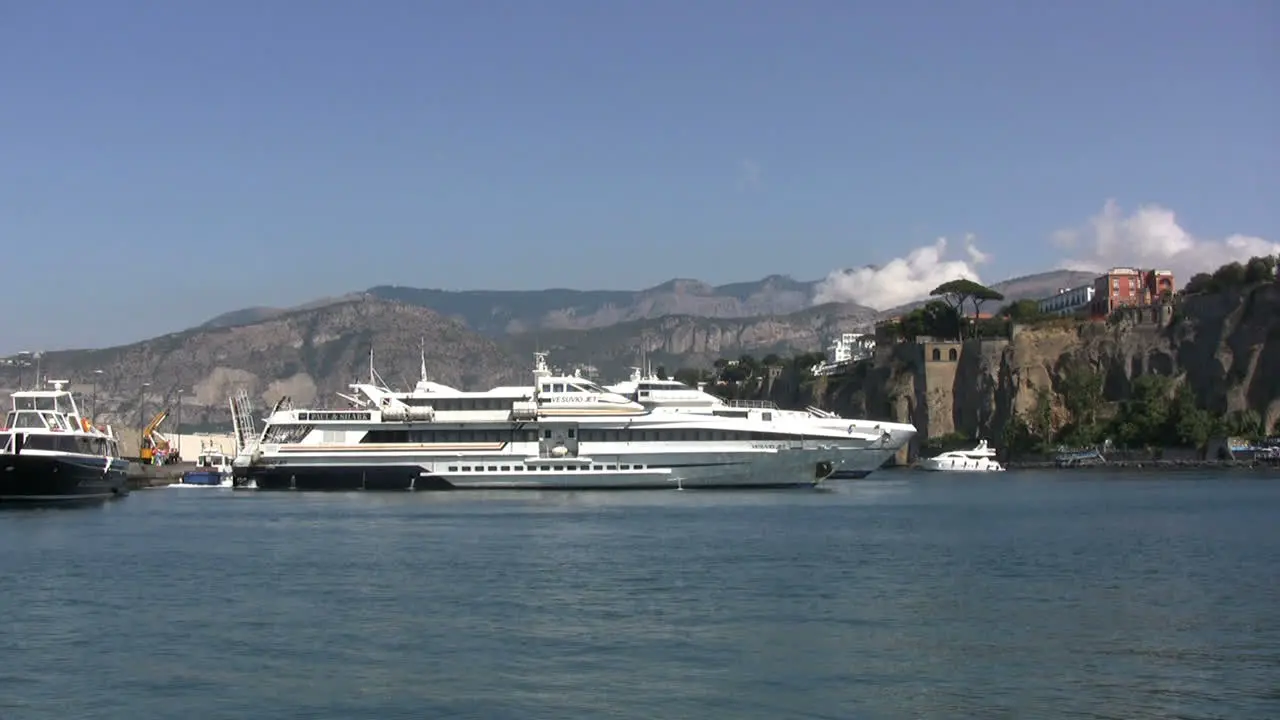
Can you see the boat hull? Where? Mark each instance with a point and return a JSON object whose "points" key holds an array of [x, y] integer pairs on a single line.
{"points": [[956, 467], [210, 478], [35, 478], [778, 469]]}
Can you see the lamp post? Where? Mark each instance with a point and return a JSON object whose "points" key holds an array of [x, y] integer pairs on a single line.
{"points": [[93, 402], [178, 420], [142, 415]]}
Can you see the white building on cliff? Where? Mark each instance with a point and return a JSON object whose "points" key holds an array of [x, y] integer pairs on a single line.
{"points": [[1067, 301], [845, 350]]}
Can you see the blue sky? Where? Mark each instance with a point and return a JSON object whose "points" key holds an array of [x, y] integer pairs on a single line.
{"points": [[161, 163]]}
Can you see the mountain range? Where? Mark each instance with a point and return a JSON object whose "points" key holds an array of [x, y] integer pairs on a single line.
{"points": [[496, 313], [474, 338]]}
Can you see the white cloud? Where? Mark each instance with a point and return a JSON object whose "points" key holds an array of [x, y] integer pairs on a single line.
{"points": [[750, 175], [901, 280], [1151, 237]]}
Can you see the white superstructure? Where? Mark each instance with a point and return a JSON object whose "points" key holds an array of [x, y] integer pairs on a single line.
{"points": [[564, 431]]}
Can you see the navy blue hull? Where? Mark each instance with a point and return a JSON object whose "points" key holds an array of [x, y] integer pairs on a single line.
{"points": [[61, 478], [202, 477], [341, 479]]}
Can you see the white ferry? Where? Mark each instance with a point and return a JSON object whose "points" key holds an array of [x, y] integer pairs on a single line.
{"points": [[562, 432], [49, 452], [859, 457]]}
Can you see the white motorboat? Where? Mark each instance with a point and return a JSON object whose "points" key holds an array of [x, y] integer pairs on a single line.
{"points": [[980, 459]]}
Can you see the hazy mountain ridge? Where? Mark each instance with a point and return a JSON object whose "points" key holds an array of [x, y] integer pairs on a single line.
{"points": [[313, 351], [502, 312], [307, 354]]}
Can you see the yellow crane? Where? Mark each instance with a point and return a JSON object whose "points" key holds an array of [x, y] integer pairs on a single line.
{"points": [[154, 446]]}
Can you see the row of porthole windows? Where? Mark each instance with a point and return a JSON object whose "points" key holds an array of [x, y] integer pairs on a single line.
{"points": [[539, 468]]}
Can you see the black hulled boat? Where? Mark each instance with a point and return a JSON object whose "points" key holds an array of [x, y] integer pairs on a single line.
{"points": [[49, 453]]}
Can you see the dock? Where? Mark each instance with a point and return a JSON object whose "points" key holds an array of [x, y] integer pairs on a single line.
{"points": [[143, 476]]}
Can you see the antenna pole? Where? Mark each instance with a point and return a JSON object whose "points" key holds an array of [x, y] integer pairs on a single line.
{"points": [[422, 356]]}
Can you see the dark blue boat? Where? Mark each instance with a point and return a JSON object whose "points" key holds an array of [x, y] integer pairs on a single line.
{"points": [[213, 469]]}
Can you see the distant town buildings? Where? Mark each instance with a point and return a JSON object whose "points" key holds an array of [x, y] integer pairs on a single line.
{"points": [[1118, 287], [1129, 287], [845, 350], [1068, 301]]}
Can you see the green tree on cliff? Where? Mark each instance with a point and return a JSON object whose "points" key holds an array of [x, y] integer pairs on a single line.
{"points": [[1023, 311], [1081, 391], [1192, 426], [960, 291], [1145, 417], [1260, 269], [1246, 424], [692, 376], [1199, 283]]}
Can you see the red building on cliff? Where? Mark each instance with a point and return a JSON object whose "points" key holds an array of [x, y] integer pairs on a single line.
{"points": [[1121, 287]]}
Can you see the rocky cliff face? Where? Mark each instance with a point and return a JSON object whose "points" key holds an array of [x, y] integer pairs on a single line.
{"points": [[1225, 347], [686, 341], [309, 355]]}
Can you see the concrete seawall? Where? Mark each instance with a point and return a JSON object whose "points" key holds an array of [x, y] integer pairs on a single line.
{"points": [[142, 476]]}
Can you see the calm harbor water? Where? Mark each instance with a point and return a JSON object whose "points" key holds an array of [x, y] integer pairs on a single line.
{"points": [[912, 596]]}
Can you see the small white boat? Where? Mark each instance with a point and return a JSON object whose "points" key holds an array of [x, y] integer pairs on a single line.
{"points": [[979, 459]]}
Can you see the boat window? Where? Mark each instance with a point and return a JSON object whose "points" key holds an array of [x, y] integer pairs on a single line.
{"points": [[8, 420], [766, 417], [4, 440], [558, 387], [27, 419], [285, 433], [46, 403], [59, 443]]}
